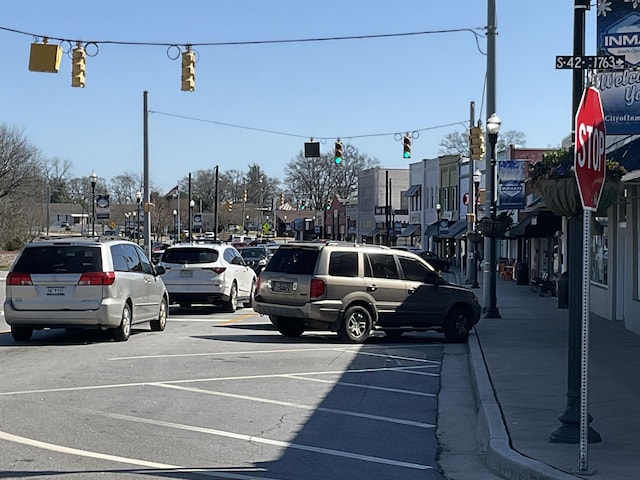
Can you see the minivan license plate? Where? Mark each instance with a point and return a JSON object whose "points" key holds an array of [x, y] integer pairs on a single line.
{"points": [[55, 291], [282, 287]]}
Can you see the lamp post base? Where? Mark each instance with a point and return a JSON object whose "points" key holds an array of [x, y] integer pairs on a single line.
{"points": [[492, 312]]}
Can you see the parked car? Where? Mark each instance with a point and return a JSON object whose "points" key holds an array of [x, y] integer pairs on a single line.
{"points": [[354, 289], [207, 273], [256, 256], [84, 282], [439, 264]]}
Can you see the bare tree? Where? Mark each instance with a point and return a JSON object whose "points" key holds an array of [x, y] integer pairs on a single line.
{"points": [[457, 143]]}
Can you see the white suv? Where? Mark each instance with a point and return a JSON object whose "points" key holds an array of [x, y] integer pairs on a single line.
{"points": [[207, 273], [84, 282]]}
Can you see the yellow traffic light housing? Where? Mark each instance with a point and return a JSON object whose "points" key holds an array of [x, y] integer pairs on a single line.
{"points": [[476, 135], [78, 66], [188, 71], [281, 200], [244, 196], [337, 152], [229, 205], [406, 146]]}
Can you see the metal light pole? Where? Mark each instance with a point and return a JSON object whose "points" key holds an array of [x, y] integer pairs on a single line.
{"points": [[126, 223], [493, 128], [175, 223], [94, 179], [438, 210], [191, 205], [138, 198], [477, 176]]}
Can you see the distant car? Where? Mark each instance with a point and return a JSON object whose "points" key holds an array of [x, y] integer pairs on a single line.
{"points": [[209, 235], [440, 264], [207, 273], [84, 282], [111, 233], [256, 257], [408, 248]]}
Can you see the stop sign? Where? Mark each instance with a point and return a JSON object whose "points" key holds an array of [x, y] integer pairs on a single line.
{"points": [[589, 159]]}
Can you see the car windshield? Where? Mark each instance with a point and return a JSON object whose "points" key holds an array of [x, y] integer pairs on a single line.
{"points": [[59, 259], [253, 252], [190, 255]]}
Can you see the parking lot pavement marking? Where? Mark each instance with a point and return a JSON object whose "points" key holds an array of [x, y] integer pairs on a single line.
{"points": [[359, 385], [314, 408], [124, 460], [396, 357], [238, 318], [266, 441]]}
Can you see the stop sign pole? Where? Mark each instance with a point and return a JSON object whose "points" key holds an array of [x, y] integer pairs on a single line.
{"points": [[589, 167]]}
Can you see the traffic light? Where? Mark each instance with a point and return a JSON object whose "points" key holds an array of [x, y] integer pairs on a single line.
{"points": [[302, 205], [244, 196], [337, 152], [281, 200], [476, 135], [188, 70], [78, 67], [230, 205], [406, 146]]}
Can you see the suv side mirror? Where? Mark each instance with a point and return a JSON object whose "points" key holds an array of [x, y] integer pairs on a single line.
{"points": [[432, 278], [160, 270]]}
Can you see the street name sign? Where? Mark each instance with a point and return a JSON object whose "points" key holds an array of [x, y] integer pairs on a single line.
{"points": [[590, 156], [584, 62]]}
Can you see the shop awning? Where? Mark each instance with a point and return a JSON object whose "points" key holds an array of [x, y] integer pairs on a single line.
{"points": [[413, 191], [373, 232], [432, 230], [411, 231], [456, 229], [538, 224]]}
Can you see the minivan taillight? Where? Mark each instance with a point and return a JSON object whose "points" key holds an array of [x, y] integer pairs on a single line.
{"points": [[317, 288], [97, 278], [217, 270], [17, 278]]}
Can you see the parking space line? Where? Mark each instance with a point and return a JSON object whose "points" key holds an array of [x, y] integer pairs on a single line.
{"points": [[174, 469], [298, 376], [314, 408], [265, 441]]}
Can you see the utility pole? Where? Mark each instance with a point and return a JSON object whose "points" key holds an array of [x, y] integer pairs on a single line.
{"points": [[147, 193], [472, 196]]}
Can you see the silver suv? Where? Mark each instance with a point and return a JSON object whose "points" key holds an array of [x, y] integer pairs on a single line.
{"points": [[84, 282], [353, 289]]}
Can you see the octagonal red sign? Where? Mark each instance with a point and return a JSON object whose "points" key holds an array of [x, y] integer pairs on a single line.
{"points": [[590, 141]]}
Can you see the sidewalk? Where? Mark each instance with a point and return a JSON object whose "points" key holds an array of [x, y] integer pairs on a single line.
{"points": [[519, 362]]}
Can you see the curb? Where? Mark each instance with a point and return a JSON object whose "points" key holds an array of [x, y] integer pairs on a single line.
{"points": [[501, 458]]}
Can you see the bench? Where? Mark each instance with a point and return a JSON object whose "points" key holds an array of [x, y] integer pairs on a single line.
{"points": [[543, 284]]}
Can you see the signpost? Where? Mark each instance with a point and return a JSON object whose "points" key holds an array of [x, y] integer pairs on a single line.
{"points": [[590, 169], [583, 62]]}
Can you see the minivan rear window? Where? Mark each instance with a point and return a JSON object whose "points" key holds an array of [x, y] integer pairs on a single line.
{"points": [[59, 259], [295, 261], [189, 255]]}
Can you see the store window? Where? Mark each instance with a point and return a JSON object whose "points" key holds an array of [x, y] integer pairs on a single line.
{"points": [[599, 250]]}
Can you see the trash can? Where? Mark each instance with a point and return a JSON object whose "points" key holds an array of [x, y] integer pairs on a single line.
{"points": [[522, 273], [563, 290]]}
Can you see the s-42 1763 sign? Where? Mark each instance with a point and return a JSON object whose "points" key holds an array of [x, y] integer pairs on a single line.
{"points": [[580, 62]]}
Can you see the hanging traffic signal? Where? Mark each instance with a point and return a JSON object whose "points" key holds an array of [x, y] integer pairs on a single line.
{"points": [[281, 200], [78, 66], [476, 136], [188, 70], [337, 152], [406, 146], [229, 205], [244, 196]]}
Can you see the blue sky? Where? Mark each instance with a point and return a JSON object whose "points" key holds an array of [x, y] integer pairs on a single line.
{"points": [[362, 91]]}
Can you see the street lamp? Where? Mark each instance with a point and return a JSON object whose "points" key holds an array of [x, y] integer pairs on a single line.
{"points": [[94, 179], [138, 198], [438, 210], [126, 223], [477, 176], [191, 205], [175, 223], [134, 224], [493, 128]]}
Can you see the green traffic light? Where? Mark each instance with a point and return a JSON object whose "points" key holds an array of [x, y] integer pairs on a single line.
{"points": [[338, 160], [406, 154]]}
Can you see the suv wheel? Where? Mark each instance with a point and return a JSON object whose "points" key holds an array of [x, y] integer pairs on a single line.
{"points": [[161, 322], [122, 333], [290, 327], [356, 325], [232, 305], [247, 304], [21, 334], [456, 326]]}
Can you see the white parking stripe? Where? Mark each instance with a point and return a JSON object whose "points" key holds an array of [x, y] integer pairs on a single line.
{"points": [[360, 385], [313, 408], [211, 379], [129, 461], [265, 441]]}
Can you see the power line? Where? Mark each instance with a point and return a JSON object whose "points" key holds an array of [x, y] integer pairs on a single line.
{"points": [[287, 134]]}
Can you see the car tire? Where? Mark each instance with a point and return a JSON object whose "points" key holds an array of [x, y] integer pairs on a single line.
{"points": [[160, 323], [290, 327], [232, 305], [247, 304], [123, 331], [356, 325], [274, 319], [456, 326], [21, 334]]}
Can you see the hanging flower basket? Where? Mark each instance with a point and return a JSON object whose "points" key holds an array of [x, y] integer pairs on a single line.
{"points": [[562, 197], [474, 237], [492, 228]]}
